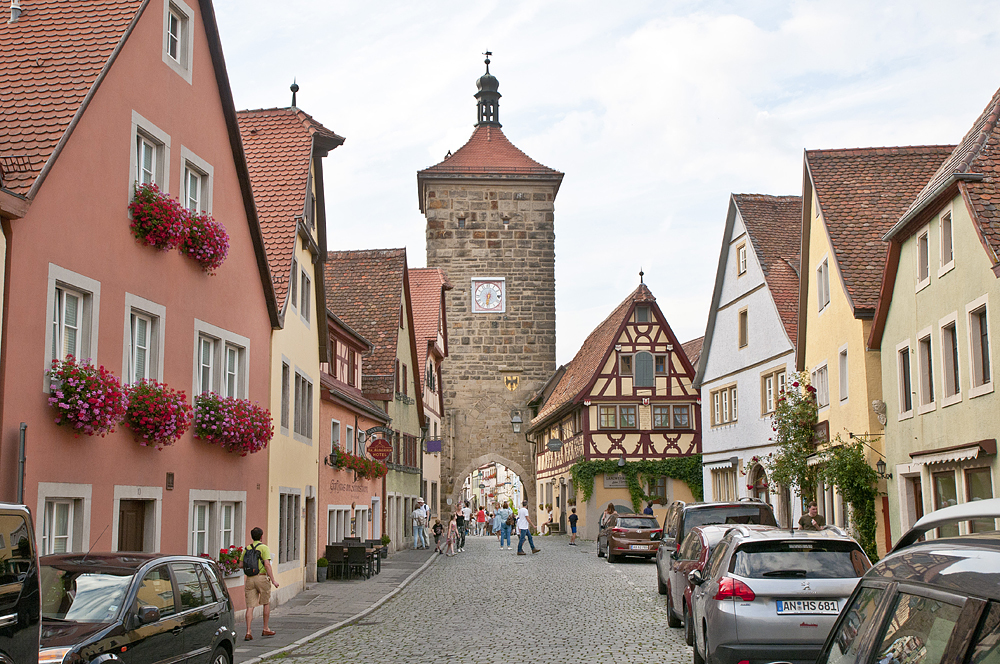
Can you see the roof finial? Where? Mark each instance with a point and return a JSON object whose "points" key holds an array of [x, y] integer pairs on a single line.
{"points": [[488, 54], [641, 273], [294, 88], [488, 97]]}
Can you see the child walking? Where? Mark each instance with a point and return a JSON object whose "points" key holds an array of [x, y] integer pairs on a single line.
{"points": [[452, 537], [438, 530]]}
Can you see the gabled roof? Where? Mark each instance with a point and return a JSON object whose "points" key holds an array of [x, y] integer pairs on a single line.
{"points": [[693, 350], [427, 286], [774, 224], [588, 360], [365, 289], [52, 60], [862, 192], [279, 145]]}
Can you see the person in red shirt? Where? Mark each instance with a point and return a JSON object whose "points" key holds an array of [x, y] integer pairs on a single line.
{"points": [[480, 521]]}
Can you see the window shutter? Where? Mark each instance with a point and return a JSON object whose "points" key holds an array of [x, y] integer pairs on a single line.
{"points": [[644, 370]]}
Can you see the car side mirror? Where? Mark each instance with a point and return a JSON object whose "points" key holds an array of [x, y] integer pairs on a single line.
{"points": [[674, 555], [148, 614], [696, 577]]}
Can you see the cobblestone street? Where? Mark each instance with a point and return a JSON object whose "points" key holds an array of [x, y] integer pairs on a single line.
{"points": [[486, 605]]}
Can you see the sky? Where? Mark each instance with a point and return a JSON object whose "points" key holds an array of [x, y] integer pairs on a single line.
{"points": [[655, 111]]}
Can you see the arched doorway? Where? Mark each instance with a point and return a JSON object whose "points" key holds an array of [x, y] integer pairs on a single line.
{"points": [[489, 479], [759, 487]]}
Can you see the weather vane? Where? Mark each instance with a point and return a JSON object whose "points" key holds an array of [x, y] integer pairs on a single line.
{"points": [[641, 273], [488, 54]]}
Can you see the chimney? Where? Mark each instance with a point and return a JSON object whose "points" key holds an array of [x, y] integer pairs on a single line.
{"points": [[15, 10]]}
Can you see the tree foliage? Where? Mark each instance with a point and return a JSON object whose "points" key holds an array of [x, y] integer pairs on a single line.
{"points": [[793, 423], [846, 467]]}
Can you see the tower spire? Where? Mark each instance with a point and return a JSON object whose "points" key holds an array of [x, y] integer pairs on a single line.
{"points": [[488, 98]]}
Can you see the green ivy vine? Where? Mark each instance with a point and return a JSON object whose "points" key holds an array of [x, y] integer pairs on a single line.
{"points": [[846, 467], [687, 469], [793, 422]]}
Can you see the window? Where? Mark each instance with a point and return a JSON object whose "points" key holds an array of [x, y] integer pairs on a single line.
{"points": [[142, 356], [772, 384], [396, 375], [294, 285], [821, 381], [625, 365], [156, 590], [741, 260], [644, 376], [147, 159], [405, 382], [221, 360], [608, 417], [206, 364], [744, 328], [924, 638], [199, 536], [73, 303], [288, 526], [286, 380], [232, 369], [724, 406], [66, 322], [642, 314], [351, 443], [823, 284], [196, 182], [979, 486], [979, 344], [660, 363], [304, 305], [303, 406], [947, 244], [57, 527], [177, 37], [626, 417], [950, 363], [352, 367], [926, 370], [903, 366], [335, 436], [227, 525], [923, 258], [844, 372], [142, 328], [724, 484], [676, 416], [192, 189]]}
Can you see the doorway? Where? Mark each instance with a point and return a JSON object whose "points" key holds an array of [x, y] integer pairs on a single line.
{"points": [[131, 524]]}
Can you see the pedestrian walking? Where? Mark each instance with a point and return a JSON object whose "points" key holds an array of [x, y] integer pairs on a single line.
{"points": [[504, 515], [524, 527], [256, 563], [649, 508], [459, 525], [573, 518], [419, 525], [452, 536], [480, 521], [467, 518], [813, 520], [495, 523], [438, 532]]}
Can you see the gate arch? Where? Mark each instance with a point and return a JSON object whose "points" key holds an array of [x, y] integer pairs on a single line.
{"points": [[527, 478]]}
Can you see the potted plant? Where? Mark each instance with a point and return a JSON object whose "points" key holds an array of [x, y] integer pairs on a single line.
{"points": [[205, 240], [238, 425], [321, 566], [156, 414], [230, 560], [385, 545], [87, 399], [158, 220]]}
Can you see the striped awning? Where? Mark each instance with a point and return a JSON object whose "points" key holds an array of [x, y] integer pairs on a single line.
{"points": [[718, 465], [955, 452]]}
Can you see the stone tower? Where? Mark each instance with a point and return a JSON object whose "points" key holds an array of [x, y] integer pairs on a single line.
{"points": [[489, 210]]}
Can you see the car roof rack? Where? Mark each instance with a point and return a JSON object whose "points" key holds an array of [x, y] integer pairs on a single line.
{"points": [[749, 499], [977, 509], [835, 528]]}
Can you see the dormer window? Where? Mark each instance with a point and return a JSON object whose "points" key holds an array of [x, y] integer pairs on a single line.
{"points": [[177, 23], [642, 314]]}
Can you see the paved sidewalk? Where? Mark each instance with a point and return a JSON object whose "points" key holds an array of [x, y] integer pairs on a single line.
{"points": [[322, 607]]}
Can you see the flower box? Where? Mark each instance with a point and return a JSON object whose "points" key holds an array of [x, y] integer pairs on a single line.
{"points": [[365, 468], [156, 414], [158, 220], [206, 241], [88, 399], [238, 425]]}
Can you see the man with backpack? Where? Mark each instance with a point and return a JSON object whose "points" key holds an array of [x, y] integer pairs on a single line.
{"points": [[256, 564]]}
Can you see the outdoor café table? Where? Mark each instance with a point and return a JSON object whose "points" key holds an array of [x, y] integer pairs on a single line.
{"points": [[370, 557]]}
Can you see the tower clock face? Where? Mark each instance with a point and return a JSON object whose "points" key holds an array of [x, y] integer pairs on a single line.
{"points": [[488, 295]]}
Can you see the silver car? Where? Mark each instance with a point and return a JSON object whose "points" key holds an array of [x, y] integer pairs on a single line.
{"points": [[769, 594]]}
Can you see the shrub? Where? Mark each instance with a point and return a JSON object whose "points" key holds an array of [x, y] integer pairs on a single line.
{"points": [[206, 241], [238, 425], [158, 220], [88, 399], [156, 414]]}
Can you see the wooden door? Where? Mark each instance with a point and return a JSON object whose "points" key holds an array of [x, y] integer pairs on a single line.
{"points": [[131, 524]]}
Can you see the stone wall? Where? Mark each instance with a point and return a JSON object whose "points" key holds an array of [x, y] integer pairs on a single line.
{"points": [[492, 229]]}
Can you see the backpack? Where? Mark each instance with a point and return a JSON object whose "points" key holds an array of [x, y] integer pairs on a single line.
{"points": [[251, 560], [511, 520]]}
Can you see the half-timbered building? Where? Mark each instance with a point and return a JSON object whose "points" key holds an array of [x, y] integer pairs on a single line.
{"points": [[627, 395]]}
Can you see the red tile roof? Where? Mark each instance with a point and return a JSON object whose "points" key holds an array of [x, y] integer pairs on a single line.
{"points": [[862, 192], [774, 224], [487, 152], [365, 290], [278, 143], [51, 58], [693, 350], [977, 154], [588, 359], [426, 284]]}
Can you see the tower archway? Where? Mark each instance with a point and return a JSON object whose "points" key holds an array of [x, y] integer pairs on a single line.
{"points": [[526, 477]]}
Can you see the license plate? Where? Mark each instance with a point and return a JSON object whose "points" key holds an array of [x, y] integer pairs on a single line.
{"points": [[639, 547], [793, 606]]}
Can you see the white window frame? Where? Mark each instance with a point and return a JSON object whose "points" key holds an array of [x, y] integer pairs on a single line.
{"points": [[185, 16], [823, 284], [900, 383], [946, 238], [228, 536], [222, 339], [143, 129], [153, 497], [741, 260], [979, 385], [289, 528], [157, 315], [49, 536], [335, 437], [820, 378], [216, 501], [743, 331], [206, 362], [922, 254], [80, 496], [951, 320], [192, 164], [286, 395], [302, 406], [351, 441], [926, 392], [725, 405], [305, 292], [61, 326], [89, 316], [293, 286], [201, 530], [232, 371], [844, 372]]}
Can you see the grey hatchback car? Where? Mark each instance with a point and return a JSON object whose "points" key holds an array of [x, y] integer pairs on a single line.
{"points": [[771, 594]]}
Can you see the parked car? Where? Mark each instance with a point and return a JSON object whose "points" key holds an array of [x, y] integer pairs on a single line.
{"points": [[676, 565], [771, 594], [632, 535], [134, 607], [928, 602], [20, 620]]}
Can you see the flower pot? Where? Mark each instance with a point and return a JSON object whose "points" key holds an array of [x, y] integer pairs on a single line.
{"points": [[321, 573]]}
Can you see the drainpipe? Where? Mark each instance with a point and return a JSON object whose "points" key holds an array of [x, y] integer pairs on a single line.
{"points": [[20, 463]]}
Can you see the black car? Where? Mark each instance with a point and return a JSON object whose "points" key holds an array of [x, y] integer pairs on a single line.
{"points": [[682, 517], [927, 602], [134, 607], [19, 607]]}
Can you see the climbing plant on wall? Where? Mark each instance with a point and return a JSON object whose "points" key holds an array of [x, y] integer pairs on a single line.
{"points": [[687, 469]]}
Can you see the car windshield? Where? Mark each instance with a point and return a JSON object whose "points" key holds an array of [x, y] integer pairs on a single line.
{"points": [[82, 596], [633, 522], [799, 559], [732, 514]]}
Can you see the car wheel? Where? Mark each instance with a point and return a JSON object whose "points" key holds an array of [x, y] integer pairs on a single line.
{"points": [[672, 619], [661, 587], [696, 657], [220, 656], [688, 626], [600, 551], [611, 557]]}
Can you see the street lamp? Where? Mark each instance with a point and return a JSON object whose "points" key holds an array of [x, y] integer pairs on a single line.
{"points": [[621, 461], [880, 469], [516, 422]]}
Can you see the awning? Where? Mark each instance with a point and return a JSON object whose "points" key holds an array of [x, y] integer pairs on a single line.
{"points": [[718, 465], [955, 452]]}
